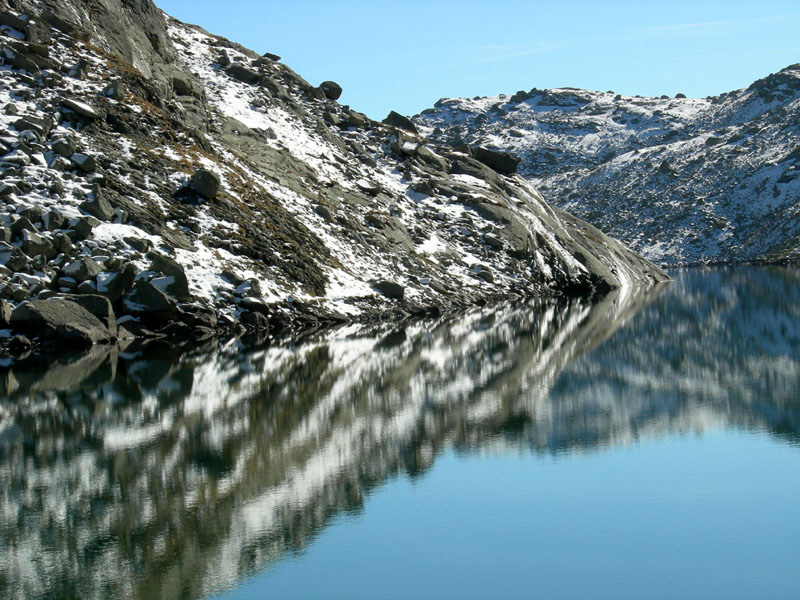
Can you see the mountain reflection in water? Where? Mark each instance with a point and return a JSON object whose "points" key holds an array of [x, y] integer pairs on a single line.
{"points": [[153, 474]]}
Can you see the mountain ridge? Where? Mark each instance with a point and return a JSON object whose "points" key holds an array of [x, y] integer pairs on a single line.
{"points": [[681, 180]]}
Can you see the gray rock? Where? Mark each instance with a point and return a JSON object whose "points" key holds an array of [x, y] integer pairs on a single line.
{"points": [[504, 163], [53, 220], [100, 307], [483, 272], [34, 245], [254, 320], [84, 162], [82, 269], [178, 287], [12, 257], [115, 285], [390, 289], [64, 147], [61, 320], [147, 300], [140, 244], [7, 189], [38, 32], [81, 108], [83, 226], [242, 73], [395, 119], [115, 90], [98, 207], [491, 239], [331, 89], [86, 287], [206, 183], [20, 225]]}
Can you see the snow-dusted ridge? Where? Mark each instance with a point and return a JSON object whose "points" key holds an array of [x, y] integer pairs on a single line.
{"points": [[681, 180], [321, 213]]}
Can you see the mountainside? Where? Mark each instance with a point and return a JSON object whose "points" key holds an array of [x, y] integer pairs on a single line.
{"points": [[197, 185], [680, 180]]}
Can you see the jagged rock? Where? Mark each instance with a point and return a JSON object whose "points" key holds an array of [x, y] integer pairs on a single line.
{"points": [[20, 225], [390, 289], [242, 73], [184, 86], [83, 226], [490, 239], [223, 59], [483, 272], [504, 163], [60, 320], [64, 147], [12, 257], [331, 89], [271, 56], [140, 244], [178, 285], [81, 108], [38, 32], [206, 183], [98, 207], [147, 300], [82, 269], [29, 122], [8, 189], [34, 245], [53, 220], [395, 119], [99, 306], [115, 285], [84, 162], [115, 90]]}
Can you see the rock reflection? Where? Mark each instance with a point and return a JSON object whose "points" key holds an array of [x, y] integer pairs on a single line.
{"points": [[153, 474]]}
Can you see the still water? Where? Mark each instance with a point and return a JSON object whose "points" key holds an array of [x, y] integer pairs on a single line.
{"points": [[644, 446]]}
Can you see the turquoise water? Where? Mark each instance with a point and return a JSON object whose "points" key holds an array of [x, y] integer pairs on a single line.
{"points": [[646, 445]]}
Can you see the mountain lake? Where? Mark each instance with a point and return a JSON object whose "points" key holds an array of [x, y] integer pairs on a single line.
{"points": [[643, 445]]}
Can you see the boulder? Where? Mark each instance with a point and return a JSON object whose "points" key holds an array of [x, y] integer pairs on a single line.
{"points": [[115, 285], [82, 269], [390, 289], [98, 207], [12, 257], [395, 119], [206, 183], [34, 245], [79, 107], [504, 163], [242, 73], [60, 320], [99, 306], [146, 300], [254, 320], [84, 162], [331, 89], [175, 284]]}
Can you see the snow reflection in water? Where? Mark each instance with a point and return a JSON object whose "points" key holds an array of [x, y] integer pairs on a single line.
{"points": [[147, 474]]}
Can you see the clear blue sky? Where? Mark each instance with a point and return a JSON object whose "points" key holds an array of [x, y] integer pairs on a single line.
{"points": [[406, 55]]}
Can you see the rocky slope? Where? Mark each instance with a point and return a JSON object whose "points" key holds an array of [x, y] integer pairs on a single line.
{"points": [[197, 186], [681, 180]]}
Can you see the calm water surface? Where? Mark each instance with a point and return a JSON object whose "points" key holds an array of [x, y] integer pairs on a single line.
{"points": [[645, 446]]}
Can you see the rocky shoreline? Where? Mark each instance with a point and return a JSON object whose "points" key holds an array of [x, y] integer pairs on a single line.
{"points": [[159, 181]]}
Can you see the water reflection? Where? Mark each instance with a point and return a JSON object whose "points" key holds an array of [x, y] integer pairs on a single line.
{"points": [[149, 473]]}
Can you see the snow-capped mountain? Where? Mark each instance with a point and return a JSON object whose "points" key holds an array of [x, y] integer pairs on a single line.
{"points": [[192, 182], [680, 180]]}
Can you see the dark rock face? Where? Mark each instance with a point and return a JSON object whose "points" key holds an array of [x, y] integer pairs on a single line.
{"points": [[178, 287], [504, 163], [331, 89], [147, 300], [390, 289], [397, 120], [60, 320]]}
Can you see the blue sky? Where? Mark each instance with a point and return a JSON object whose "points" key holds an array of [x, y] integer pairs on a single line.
{"points": [[406, 55]]}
